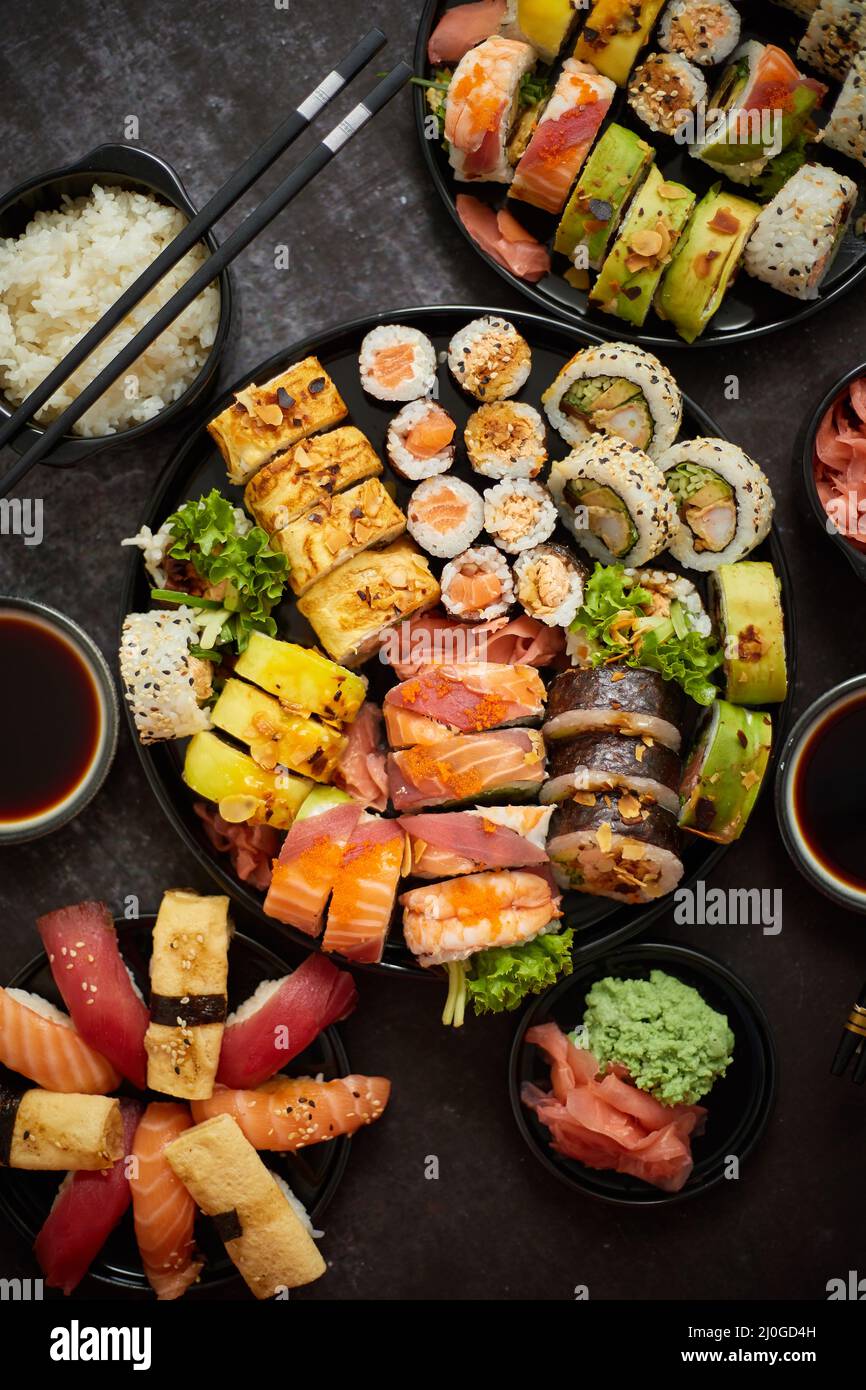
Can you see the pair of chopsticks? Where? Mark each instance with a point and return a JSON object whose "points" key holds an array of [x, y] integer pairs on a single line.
{"points": [[853, 1043], [248, 173]]}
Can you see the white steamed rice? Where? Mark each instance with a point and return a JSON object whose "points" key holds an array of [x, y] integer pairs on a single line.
{"points": [[799, 233], [159, 675], [61, 275]]}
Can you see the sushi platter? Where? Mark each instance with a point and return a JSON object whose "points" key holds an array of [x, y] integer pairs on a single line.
{"points": [[26, 1194], [198, 466], [614, 233]]}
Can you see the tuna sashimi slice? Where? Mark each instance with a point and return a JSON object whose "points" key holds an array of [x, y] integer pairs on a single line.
{"points": [[97, 989], [281, 1019], [469, 837], [164, 1211], [304, 874], [86, 1210], [462, 27]]}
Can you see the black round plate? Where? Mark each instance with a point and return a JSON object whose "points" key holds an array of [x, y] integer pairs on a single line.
{"points": [[750, 308], [313, 1175], [738, 1106], [197, 466]]}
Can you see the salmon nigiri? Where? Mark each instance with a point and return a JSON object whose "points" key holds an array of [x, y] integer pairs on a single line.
{"points": [[163, 1210], [40, 1042], [288, 1114]]}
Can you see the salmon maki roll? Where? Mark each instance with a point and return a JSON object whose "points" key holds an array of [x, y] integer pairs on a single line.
{"points": [[286, 1114], [163, 1210], [562, 138], [461, 699], [477, 585], [365, 891], [444, 516], [445, 922], [397, 363], [40, 1042], [420, 441]]}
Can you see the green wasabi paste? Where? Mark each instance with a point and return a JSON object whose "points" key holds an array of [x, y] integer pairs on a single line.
{"points": [[673, 1044]]}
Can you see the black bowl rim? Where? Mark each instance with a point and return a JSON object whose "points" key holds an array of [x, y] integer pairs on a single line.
{"points": [[757, 1117], [319, 340], [853, 901], [856, 560], [104, 161], [23, 832], [600, 332], [342, 1145]]}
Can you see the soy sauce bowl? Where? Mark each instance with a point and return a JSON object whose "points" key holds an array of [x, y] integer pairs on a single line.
{"points": [[739, 1104], [125, 167], [856, 558], [824, 876], [97, 690]]}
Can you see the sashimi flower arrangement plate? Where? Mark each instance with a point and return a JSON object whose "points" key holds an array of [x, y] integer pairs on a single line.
{"points": [[664, 173], [452, 645]]}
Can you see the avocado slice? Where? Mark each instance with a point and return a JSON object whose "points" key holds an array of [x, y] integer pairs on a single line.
{"points": [[613, 172], [645, 244], [706, 259]]}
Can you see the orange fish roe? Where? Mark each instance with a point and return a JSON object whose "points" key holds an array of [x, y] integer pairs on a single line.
{"points": [[319, 861], [419, 765]]}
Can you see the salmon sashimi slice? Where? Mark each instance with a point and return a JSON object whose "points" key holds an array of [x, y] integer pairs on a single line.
{"points": [[85, 1211], [431, 435], [104, 1003], [287, 1114], [451, 921], [281, 1019], [394, 364], [163, 1210], [599, 1118], [40, 1042], [365, 891], [462, 27], [466, 767], [472, 697], [304, 874]]}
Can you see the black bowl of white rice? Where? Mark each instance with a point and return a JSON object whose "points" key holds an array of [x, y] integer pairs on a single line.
{"points": [[70, 242]]}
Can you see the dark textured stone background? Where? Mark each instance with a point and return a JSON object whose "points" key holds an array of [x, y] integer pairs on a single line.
{"points": [[207, 80]]}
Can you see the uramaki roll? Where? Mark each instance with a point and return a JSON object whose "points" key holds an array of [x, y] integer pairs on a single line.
{"points": [[263, 1236], [47, 1130]]}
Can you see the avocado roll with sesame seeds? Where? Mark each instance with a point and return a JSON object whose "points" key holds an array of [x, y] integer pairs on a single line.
{"points": [[616, 390], [615, 501], [724, 502]]}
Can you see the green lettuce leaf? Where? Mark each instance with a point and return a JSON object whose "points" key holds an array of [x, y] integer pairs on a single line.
{"points": [[502, 977], [666, 645], [206, 535]]}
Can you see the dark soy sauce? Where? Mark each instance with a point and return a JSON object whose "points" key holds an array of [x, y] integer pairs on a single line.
{"points": [[830, 793], [50, 719]]}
